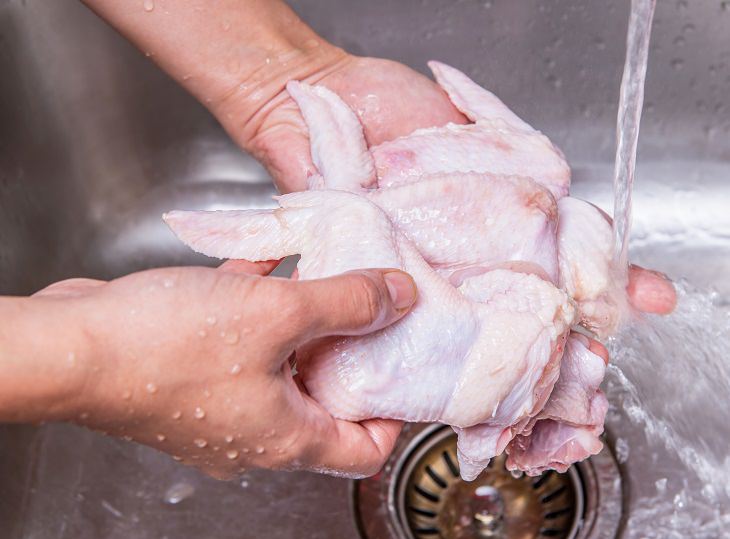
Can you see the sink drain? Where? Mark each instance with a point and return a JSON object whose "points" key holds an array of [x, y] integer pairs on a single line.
{"points": [[419, 495]]}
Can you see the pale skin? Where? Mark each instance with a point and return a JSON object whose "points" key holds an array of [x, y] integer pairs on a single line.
{"points": [[195, 361]]}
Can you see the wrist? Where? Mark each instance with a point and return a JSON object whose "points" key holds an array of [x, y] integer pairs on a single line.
{"points": [[43, 349]]}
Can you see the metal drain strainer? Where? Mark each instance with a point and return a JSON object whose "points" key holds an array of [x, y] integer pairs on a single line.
{"points": [[433, 501], [419, 495]]}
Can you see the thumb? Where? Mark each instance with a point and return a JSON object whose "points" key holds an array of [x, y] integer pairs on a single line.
{"points": [[354, 303]]}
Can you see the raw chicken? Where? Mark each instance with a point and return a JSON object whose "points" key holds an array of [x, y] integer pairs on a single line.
{"points": [[567, 428], [470, 211], [452, 359]]}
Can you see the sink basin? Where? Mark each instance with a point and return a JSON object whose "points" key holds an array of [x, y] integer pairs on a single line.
{"points": [[95, 143]]}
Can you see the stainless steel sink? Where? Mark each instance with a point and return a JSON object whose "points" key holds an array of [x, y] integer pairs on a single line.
{"points": [[95, 143]]}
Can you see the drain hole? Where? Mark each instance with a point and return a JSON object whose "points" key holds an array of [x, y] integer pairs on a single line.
{"points": [[558, 513], [450, 463], [436, 477], [541, 480], [550, 497], [426, 494], [422, 512], [553, 533]]}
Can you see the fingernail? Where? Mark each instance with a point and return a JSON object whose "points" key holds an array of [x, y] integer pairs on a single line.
{"points": [[402, 289]]}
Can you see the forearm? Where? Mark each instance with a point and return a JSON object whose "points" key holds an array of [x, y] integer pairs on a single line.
{"points": [[41, 354], [235, 56]]}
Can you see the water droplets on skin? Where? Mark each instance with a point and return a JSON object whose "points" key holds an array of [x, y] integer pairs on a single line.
{"points": [[677, 64], [199, 413], [231, 454], [200, 442], [148, 5], [83, 416], [177, 414], [260, 450], [202, 333], [168, 283], [178, 492], [161, 437], [236, 369], [151, 388], [229, 439], [230, 337], [211, 320]]}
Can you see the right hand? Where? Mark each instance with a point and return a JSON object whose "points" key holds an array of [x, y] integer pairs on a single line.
{"points": [[195, 362]]}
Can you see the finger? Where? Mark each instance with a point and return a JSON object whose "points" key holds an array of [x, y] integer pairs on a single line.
{"points": [[650, 291], [281, 143], [249, 268], [69, 287], [354, 449], [598, 349], [354, 303]]}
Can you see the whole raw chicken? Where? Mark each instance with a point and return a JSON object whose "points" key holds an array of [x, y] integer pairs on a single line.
{"points": [[505, 262]]}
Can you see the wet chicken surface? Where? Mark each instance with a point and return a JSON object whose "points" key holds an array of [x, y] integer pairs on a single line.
{"points": [[505, 261]]}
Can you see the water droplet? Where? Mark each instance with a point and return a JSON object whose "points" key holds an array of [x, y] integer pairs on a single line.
{"points": [[600, 44], [677, 64], [268, 60], [151, 388], [244, 484], [236, 369], [517, 474], [127, 438], [177, 414], [168, 283], [202, 333], [83, 416], [232, 454], [622, 450], [175, 457], [178, 492], [230, 337], [725, 6], [148, 5], [245, 449], [187, 76], [679, 41], [161, 438], [199, 413], [688, 28], [260, 449], [200, 442], [661, 485], [211, 320]]}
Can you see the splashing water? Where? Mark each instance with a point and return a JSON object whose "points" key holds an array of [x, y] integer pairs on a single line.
{"points": [[666, 385], [669, 377], [627, 124]]}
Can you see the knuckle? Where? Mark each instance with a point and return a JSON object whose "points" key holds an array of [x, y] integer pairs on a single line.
{"points": [[368, 301]]}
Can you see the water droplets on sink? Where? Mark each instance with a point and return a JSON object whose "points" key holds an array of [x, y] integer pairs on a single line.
{"points": [[178, 492]]}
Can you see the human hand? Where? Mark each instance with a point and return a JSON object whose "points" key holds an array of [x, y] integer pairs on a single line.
{"points": [[195, 362]]}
